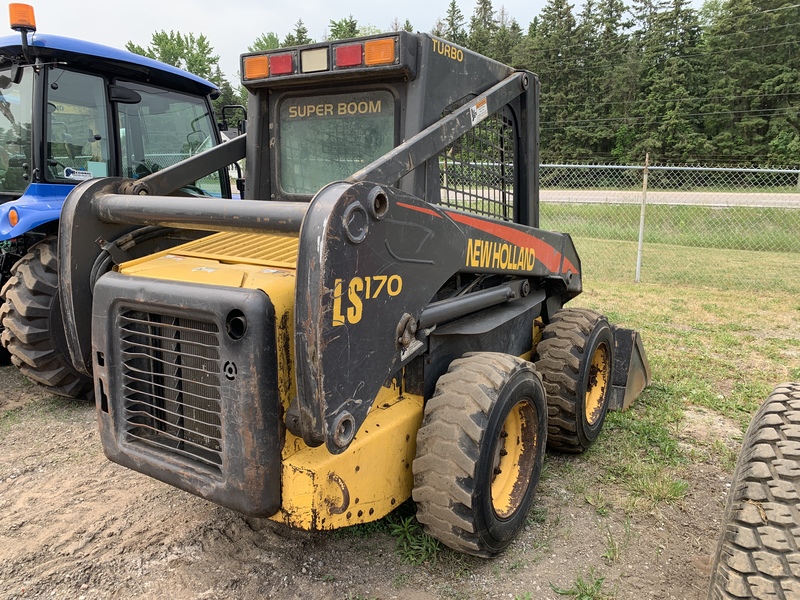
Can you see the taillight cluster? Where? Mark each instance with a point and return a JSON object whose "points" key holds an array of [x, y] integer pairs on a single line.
{"points": [[333, 56]]}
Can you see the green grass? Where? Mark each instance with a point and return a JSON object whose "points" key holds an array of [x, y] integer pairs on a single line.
{"points": [[735, 270], [732, 228], [589, 587], [615, 545], [413, 545], [599, 502], [711, 352]]}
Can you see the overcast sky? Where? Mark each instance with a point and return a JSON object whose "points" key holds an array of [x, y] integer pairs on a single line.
{"points": [[232, 25]]}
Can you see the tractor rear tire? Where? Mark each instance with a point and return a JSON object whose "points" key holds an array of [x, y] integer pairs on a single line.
{"points": [[575, 358], [758, 553], [480, 451], [33, 328]]}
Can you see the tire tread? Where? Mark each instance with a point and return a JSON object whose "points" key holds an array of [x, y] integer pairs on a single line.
{"points": [[758, 552], [27, 333], [448, 447], [558, 359]]}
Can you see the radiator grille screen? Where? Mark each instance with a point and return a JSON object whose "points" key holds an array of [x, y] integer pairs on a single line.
{"points": [[171, 382]]}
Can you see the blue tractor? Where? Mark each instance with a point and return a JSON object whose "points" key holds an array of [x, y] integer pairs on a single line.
{"points": [[72, 110]]}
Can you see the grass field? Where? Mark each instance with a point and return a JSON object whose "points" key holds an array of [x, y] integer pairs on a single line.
{"points": [[734, 271], [733, 228], [709, 350]]}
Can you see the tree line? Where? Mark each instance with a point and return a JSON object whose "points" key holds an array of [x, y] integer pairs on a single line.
{"points": [[720, 85]]}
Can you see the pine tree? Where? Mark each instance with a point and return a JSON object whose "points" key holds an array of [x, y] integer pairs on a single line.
{"points": [[754, 75], [454, 24], [482, 28], [552, 52], [507, 37], [343, 28], [299, 36], [671, 82]]}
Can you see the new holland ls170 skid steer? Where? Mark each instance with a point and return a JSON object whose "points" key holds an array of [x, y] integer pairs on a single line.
{"points": [[363, 327]]}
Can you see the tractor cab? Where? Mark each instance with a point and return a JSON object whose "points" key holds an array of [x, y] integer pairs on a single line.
{"points": [[71, 111]]}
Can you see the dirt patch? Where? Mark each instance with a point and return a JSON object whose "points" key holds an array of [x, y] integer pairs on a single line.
{"points": [[702, 427], [15, 391], [73, 525]]}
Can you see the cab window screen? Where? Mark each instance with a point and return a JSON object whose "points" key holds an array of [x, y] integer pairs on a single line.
{"points": [[328, 138]]}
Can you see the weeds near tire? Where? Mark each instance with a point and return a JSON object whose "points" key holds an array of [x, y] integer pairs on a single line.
{"points": [[413, 545], [590, 588]]}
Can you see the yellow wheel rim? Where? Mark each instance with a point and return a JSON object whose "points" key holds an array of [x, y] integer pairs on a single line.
{"points": [[514, 458], [597, 385]]}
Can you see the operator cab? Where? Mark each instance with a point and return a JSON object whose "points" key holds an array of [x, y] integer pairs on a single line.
{"points": [[333, 108]]}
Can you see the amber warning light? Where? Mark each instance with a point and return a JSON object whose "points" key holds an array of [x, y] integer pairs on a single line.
{"points": [[21, 17]]}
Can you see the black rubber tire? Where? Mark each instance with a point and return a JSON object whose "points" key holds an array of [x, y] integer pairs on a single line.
{"points": [[33, 328], [467, 434], [758, 553], [565, 358]]}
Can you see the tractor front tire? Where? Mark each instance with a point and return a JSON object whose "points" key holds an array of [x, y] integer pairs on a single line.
{"points": [[480, 451], [758, 553], [33, 328], [575, 358]]}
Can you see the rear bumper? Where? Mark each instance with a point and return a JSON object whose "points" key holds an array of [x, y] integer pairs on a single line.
{"points": [[186, 387]]}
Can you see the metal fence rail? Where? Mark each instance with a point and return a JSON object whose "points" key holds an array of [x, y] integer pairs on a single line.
{"points": [[717, 227]]}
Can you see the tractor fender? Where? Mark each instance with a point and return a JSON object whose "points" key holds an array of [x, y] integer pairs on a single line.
{"points": [[40, 204]]}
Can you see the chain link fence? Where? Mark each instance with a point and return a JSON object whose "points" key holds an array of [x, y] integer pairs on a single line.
{"points": [[726, 228]]}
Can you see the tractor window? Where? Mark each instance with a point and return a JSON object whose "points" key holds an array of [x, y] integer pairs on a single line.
{"points": [[328, 138], [163, 128], [16, 108], [76, 127]]}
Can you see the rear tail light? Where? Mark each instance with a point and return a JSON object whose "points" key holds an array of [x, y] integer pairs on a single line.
{"points": [[348, 56], [281, 64]]}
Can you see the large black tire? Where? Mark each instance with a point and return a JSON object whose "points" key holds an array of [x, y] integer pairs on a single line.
{"points": [[575, 358], [758, 554], [33, 328], [480, 452]]}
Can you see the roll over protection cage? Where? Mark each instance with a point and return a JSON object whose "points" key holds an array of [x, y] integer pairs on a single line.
{"points": [[360, 221]]}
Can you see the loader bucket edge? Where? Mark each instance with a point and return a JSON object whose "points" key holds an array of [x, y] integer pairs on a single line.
{"points": [[631, 369]]}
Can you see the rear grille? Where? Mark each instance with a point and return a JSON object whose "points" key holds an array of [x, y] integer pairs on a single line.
{"points": [[171, 385]]}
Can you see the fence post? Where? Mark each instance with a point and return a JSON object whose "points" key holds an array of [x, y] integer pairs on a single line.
{"points": [[641, 219]]}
